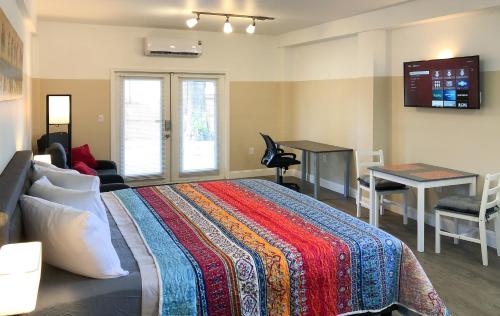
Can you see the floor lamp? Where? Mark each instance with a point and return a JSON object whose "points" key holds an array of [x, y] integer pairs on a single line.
{"points": [[59, 113]]}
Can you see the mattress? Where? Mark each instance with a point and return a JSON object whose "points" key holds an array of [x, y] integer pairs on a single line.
{"points": [[251, 247], [65, 293]]}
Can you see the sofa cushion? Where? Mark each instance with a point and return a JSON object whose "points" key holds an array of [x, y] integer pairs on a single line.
{"points": [[82, 167], [463, 204], [82, 153], [381, 184]]}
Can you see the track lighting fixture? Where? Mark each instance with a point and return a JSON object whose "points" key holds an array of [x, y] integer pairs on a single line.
{"points": [[193, 21], [251, 28], [228, 28]]}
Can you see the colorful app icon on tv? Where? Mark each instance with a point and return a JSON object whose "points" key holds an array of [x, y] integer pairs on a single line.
{"points": [[437, 98], [462, 84], [437, 94], [450, 95], [450, 98]]}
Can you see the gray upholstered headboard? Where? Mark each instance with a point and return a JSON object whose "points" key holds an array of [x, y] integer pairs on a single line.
{"points": [[13, 183]]}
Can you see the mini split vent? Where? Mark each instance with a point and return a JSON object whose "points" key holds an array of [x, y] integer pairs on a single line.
{"points": [[172, 47]]}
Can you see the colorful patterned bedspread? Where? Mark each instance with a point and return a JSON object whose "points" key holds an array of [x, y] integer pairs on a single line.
{"points": [[251, 247]]}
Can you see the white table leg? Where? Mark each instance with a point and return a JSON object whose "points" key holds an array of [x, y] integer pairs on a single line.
{"points": [[316, 175], [472, 188], [373, 199], [420, 217]]}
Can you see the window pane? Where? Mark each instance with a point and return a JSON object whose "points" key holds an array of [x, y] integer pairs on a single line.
{"points": [[142, 151], [199, 125]]}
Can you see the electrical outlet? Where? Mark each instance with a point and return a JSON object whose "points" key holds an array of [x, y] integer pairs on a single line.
{"points": [[100, 118], [251, 151]]}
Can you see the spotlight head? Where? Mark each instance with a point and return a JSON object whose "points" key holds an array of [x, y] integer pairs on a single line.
{"points": [[228, 28], [251, 28], [193, 21]]}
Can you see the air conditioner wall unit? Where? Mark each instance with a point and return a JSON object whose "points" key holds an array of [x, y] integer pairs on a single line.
{"points": [[157, 46]]}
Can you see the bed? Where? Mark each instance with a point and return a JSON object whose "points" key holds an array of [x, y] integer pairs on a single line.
{"points": [[240, 247]]}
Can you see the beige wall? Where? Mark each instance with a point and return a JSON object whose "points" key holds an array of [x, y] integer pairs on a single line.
{"points": [[255, 107], [89, 99]]}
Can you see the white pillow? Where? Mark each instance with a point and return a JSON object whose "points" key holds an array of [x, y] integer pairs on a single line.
{"points": [[46, 165], [72, 239], [69, 179], [82, 200]]}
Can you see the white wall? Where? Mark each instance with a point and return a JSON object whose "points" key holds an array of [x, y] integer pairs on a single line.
{"points": [[15, 121], [84, 51], [331, 59], [474, 34]]}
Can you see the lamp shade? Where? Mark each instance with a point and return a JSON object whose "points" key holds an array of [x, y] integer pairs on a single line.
{"points": [[59, 108], [20, 266]]}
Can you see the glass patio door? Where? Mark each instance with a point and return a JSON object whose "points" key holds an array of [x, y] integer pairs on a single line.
{"points": [[169, 126], [144, 126], [197, 136]]}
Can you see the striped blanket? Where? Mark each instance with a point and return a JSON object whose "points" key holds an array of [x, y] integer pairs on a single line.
{"points": [[251, 247]]}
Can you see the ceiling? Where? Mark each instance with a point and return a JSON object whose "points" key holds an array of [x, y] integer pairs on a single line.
{"points": [[290, 14]]}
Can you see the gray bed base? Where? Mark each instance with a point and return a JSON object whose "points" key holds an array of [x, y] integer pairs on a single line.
{"points": [[62, 292]]}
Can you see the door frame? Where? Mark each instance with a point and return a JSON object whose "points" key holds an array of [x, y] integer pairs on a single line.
{"points": [[115, 112]]}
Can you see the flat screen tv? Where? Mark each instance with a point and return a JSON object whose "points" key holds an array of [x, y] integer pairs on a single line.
{"points": [[443, 83]]}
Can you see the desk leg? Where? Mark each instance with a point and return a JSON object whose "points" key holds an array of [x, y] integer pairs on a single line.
{"points": [[347, 172], [303, 169], [420, 218], [373, 200], [316, 175]]}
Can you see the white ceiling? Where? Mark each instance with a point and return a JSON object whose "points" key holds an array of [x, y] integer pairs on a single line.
{"points": [[290, 14]]}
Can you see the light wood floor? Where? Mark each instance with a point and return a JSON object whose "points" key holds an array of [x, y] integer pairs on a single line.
{"points": [[466, 286]]}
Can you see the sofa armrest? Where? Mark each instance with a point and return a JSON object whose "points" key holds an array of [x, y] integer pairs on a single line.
{"points": [[113, 187], [106, 164], [111, 178]]}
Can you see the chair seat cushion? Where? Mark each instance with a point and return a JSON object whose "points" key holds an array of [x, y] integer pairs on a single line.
{"points": [[283, 162], [463, 204], [105, 172], [381, 184]]}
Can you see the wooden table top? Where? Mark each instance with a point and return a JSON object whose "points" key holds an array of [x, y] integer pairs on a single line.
{"points": [[422, 172], [313, 147]]}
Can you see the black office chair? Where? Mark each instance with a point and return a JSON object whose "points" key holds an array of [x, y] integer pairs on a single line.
{"points": [[275, 157]]}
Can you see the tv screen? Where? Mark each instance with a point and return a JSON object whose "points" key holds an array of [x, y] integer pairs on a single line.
{"points": [[443, 83]]}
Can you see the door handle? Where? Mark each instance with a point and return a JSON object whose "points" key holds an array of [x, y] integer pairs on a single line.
{"points": [[167, 136], [167, 125]]}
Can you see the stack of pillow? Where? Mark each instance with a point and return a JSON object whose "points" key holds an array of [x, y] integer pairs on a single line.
{"points": [[64, 210]]}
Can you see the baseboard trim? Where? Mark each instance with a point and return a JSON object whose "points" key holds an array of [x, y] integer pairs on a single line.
{"points": [[237, 174], [327, 184]]}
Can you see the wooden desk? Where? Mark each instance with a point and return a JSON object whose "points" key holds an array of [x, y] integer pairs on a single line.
{"points": [[420, 176], [316, 149]]}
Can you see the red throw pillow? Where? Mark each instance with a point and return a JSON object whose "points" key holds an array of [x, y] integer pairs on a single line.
{"points": [[83, 154], [82, 167]]}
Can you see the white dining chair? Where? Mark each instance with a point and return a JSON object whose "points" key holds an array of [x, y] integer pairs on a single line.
{"points": [[478, 210], [364, 160]]}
